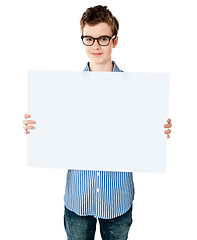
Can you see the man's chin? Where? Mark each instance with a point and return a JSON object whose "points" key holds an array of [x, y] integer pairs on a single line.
{"points": [[98, 61]]}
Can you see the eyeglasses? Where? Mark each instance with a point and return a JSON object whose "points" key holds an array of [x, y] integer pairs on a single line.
{"points": [[102, 40]]}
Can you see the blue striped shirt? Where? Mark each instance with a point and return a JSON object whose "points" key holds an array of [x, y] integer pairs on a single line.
{"points": [[102, 194]]}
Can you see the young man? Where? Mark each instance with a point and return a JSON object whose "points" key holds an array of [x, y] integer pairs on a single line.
{"points": [[91, 194]]}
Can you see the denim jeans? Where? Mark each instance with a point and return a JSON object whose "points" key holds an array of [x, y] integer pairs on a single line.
{"points": [[84, 227]]}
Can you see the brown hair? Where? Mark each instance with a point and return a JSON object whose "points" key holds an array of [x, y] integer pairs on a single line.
{"points": [[99, 14]]}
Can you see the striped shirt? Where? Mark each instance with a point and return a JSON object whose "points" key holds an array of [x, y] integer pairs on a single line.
{"points": [[102, 194]]}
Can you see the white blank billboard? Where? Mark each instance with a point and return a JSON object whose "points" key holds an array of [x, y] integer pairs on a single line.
{"points": [[111, 121]]}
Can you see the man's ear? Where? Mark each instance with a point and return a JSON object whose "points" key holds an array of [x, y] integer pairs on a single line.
{"points": [[115, 42]]}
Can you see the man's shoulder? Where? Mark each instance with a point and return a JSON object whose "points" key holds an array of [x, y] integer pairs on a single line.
{"points": [[116, 68], [86, 67]]}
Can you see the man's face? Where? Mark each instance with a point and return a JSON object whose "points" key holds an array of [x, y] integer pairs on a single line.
{"points": [[96, 53]]}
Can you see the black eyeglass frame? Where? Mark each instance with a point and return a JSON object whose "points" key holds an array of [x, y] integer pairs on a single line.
{"points": [[112, 37]]}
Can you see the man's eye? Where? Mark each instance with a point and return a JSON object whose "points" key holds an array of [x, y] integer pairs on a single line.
{"points": [[89, 39], [103, 39]]}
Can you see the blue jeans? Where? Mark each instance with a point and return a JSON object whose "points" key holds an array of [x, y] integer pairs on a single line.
{"points": [[84, 227]]}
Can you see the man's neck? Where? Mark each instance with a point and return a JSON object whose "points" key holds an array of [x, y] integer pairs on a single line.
{"points": [[106, 67]]}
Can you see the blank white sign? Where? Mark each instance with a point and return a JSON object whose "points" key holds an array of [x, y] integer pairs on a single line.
{"points": [[112, 121]]}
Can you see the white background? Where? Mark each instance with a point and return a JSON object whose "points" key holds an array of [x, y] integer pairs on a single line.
{"points": [[154, 36]]}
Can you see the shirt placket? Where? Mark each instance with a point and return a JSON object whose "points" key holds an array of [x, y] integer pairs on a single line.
{"points": [[98, 176]]}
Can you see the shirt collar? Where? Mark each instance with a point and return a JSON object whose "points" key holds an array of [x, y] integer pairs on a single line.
{"points": [[115, 67]]}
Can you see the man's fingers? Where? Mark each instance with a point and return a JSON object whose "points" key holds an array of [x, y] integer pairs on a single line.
{"points": [[29, 122], [169, 120], [168, 125], [167, 131], [28, 127], [27, 116]]}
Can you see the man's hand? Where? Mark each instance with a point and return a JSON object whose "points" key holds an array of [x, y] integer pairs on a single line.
{"points": [[169, 125], [26, 122]]}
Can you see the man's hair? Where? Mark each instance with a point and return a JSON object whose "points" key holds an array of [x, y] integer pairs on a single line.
{"points": [[99, 14]]}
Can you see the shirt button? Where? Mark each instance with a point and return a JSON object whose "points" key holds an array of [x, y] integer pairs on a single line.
{"points": [[97, 190]]}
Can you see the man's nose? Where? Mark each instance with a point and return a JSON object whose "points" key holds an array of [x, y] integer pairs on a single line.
{"points": [[96, 44]]}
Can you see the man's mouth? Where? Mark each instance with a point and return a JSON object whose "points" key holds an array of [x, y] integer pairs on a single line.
{"points": [[96, 54]]}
